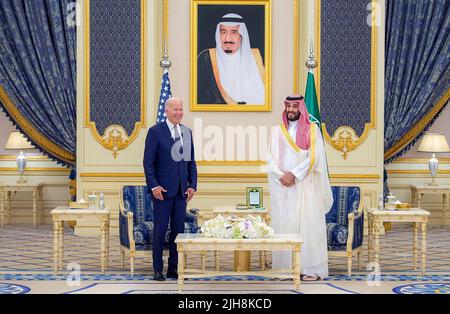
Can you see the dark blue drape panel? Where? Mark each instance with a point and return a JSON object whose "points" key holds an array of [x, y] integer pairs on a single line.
{"points": [[417, 70], [38, 73], [115, 64], [345, 64]]}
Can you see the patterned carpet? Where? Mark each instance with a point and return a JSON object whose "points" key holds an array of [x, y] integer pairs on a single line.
{"points": [[26, 261]]}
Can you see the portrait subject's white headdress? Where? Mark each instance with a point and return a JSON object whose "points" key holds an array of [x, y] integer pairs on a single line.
{"points": [[239, 73]]}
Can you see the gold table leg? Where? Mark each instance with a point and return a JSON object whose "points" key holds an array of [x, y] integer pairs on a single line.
{"points": [[241, 261], [444, 208], [8, 199], [103, 245], [35, 197], [203, 255], [377, 242], [107, 244], [296, 268], [419, 198], [55, 246], [180, 269], [217, 259], [61, 244], [2, 209], [415, 246], [413, 197], [448, 207], [370, 240], [424, 246], [264, 259], [40, 206]]}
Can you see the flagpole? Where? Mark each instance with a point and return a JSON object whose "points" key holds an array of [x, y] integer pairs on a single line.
{"points": [[165, 63], [165, 94], [311, 63]]}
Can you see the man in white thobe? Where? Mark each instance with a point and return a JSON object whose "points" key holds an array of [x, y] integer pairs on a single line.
{"points": [[300, 191]]}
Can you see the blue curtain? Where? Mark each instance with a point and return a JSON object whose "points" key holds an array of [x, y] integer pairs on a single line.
{"points": [[38, 73], [417, 71]]}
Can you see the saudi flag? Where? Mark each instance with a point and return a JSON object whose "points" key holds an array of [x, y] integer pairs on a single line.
{"points": [[312, 105]]}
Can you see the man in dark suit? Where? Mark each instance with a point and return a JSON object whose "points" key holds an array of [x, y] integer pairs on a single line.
{"points": [[171, 175]]}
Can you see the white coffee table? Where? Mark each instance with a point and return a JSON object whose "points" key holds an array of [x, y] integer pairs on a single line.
{"points": [[196, 242]]}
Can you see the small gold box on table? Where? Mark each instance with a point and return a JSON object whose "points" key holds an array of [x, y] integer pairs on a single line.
{"points": [[77, 205], [403, 206]]}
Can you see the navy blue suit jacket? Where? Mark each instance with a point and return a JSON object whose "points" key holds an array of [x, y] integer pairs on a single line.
{"points": [[159, 166]]}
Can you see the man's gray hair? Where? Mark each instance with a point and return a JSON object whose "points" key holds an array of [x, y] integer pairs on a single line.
{"points": [[171, 100]]}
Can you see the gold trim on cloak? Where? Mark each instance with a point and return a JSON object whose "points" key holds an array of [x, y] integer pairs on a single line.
{"points": [[213, 56], [228, 99], [289, 139], [297, 149]]}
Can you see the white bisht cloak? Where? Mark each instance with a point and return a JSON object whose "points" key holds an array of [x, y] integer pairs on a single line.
{"points": [[301, 208]]}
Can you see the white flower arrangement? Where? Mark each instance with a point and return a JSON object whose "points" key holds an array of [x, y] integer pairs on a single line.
{"points": [[250, 227]]}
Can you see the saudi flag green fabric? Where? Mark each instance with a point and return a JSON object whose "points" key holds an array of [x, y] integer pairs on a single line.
{"points": [[311, 101], [312, 105]]}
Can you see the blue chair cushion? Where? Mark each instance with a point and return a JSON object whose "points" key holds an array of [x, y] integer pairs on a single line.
{"points": [[336, 236], [143, 233], [345, 200], [136, 199]]}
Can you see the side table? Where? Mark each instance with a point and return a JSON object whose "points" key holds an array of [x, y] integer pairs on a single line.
{"points": [[61, 214], [6, 191]]}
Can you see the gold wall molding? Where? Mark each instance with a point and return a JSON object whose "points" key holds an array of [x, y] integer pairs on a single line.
{"points": [[355, 176], [420, 172], [400, 187], [245, 178], [416, 160], [200, 175], [165, 20], [231, 163], [111, 175], [227, 192], [296, 41], [29, 169], [115, 138], [344, 138], [29, 158]]}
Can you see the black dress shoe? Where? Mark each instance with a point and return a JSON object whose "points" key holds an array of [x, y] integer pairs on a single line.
{"points": [[158, 276], [172, 274]]}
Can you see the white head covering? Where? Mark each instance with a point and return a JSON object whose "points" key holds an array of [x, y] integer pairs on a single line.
{"points": [[239, 74]]}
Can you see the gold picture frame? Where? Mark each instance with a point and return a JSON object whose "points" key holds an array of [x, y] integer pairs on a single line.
{"points": [[208, 92], [254, 196]]}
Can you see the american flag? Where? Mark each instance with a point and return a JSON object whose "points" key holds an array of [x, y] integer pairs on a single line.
{"points": [[164, 95]]}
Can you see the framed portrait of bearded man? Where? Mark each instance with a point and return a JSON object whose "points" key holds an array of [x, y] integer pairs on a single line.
{"points": [[230, 55]]}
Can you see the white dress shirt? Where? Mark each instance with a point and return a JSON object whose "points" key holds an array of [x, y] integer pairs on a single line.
{"points": [[292, 129], [172, 130]]}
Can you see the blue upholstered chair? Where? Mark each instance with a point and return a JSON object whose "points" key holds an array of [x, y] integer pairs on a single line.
{"points": [[136, 224], [345, 224]]}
